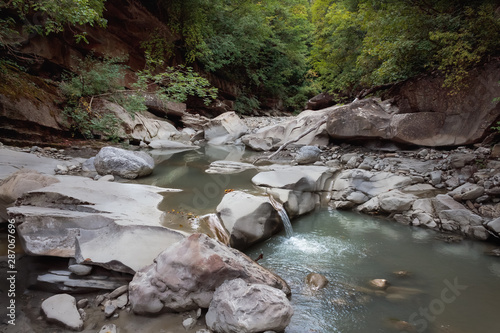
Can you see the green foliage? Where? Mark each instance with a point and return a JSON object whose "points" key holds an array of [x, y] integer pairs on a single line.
{"points": [[176, 84], [55, 14], [363, 43], [261, 46]]}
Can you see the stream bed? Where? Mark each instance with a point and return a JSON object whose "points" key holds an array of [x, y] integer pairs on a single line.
{"points": [[435, 286]]}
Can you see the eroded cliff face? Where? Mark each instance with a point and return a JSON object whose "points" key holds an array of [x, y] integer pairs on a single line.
{"points": [[30, 103]]}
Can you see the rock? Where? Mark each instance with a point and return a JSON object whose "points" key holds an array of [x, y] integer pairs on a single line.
{"points": [[118, 291], [88, 165], [224, 129], [316, 281], [248, 218], [185, 276], [62, 309], [396, 201], [435, 118], [320, 101], [189, 323], [295, 203], [467, 191], [494, 226], [212, 226], [83, 303], [109, 328], [379, 284], [297, 178], [107, 178], [247, 308], [459, 160], [459, 220], [228, 167], [79, 269], [436, 177], [109, 223], [495, 151], [109, 309], [169, 144], [123, 163], [366, 119], [307, 155], [61, 169], [142, 126], [273, 136], [65, 281], [19, 183], [370, 183]]}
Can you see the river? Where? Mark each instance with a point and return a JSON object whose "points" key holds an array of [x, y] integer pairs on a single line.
{"points": [[441, 287]]}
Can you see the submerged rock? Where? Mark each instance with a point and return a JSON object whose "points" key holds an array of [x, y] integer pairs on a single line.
{"points": [[185, 276], [124, 163], [238, 306], [316, 281]]}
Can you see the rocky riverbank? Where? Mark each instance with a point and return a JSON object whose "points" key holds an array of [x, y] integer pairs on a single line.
{"points": [[82, 209]]}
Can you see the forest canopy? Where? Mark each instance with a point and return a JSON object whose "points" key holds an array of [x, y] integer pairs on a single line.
{"points": [[289, 50]]}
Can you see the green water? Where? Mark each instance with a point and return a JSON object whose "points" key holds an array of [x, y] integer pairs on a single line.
{"points": [[452, 288], [351, 249]]}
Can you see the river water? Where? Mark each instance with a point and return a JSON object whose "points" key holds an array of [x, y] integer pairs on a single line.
{"points": [[441, 287]]}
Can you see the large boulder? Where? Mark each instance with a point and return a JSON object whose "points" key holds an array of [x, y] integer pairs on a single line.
{"points": [[225, 128], [307, 155], [124, 163], [114, 225], [238, 306], [61, 309], [429, 115], [248, 218], [297, 188], [273, 136], [360, 119], [185, 276]]}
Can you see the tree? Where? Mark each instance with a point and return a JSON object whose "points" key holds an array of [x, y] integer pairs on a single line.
{"points": [[362, 43]]}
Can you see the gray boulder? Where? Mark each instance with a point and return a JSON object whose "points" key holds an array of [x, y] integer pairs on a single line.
{"points": [[185, 276], [62, 310], [224, 129], [307, 155], [248, 218], [124, 163], [238, 306], [273, 136], [396, 201]]}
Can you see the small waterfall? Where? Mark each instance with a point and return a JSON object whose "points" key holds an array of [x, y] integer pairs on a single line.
{"points": [[284, 216]]}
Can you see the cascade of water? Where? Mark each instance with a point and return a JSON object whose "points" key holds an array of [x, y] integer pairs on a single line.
{"points": [[284, 216]]}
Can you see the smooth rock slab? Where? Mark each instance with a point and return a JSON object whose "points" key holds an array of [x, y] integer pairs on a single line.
{"points": [[62, 309], [224, 129], [297, 178], [185, 276], [238, 306], [124, 163]]}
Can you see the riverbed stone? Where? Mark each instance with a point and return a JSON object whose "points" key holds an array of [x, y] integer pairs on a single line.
{"points": [[224, 129], [316, 281], [248, 218], [238, 306], [185, 276], [273, 136], [295, 203], [297, 178], [17, 184], [396, 201], [112, 222], [307, 155], [466, 192], [62, 309], [124, 163]]}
